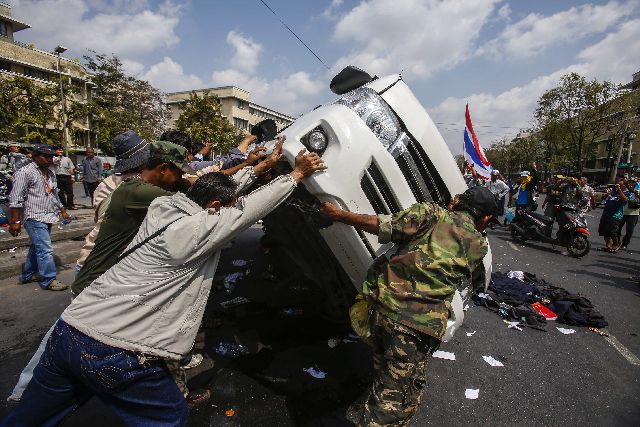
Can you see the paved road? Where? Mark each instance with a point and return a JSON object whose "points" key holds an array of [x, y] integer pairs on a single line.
{"points": [[548, 378]]}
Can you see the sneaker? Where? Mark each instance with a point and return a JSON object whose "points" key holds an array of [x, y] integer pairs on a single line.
{"points": [[196, 359], [56, 285]]}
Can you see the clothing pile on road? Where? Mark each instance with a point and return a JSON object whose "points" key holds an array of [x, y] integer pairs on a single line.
{"points": [[512, 294]]}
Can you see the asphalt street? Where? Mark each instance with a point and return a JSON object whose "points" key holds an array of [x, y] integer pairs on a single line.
{"points": [[548, 378]]}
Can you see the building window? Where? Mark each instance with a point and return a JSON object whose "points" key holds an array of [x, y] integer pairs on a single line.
{"points": [[240, 123], [3, 29], [36, 74], [5, 65]]}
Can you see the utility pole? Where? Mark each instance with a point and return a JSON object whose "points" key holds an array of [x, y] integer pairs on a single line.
{"points": [[614, 168], [58, 50]]}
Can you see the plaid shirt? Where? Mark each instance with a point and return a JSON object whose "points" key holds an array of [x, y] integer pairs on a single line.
{"points": [[35, 194]]}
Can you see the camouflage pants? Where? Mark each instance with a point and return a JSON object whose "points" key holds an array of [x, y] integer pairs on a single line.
{"points": [[400, 362]]}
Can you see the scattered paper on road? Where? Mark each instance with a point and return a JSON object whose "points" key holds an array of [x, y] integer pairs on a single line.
{"points": [[333, 342], [485, 296], [239, 262], [491, 361], [439, 354], [513, 325], [566, 331], [315, 373], [470, 334], [234, 302], [472, 393], [466, 307]]}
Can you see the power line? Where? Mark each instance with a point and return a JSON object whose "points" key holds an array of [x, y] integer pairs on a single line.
{"points": [[295, 35]]}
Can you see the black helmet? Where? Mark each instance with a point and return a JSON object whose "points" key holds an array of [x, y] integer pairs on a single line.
{"points": [[478, 201]]}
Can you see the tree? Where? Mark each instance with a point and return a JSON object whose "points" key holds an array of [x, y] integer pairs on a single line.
{"points": [[121, 102], [30, 111], [580, 111], [202, 120]]}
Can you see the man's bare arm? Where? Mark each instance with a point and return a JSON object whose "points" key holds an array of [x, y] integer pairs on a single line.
{"points": [[368, 223]]}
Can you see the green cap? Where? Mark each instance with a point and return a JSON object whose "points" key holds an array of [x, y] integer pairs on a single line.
{"points": [[170, 152]]}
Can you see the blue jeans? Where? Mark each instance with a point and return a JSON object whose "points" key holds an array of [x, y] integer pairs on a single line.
{"points": [[74, 367], [40, 256]]}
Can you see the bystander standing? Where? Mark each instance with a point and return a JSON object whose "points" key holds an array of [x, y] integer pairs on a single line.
{"points": [[91, 167], [34, 201], [64, 176], [631, 212]]}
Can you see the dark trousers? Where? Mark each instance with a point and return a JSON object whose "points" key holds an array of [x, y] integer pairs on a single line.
{"points": [[65, 190], [74, 367], [630, 221], [92, 188]]}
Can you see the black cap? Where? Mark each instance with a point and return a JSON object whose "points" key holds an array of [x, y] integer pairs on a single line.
{"points": [[265, 131], [43, 149], [479, 201]]}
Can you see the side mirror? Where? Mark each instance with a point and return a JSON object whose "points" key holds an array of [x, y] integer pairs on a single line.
{"points": [[348, 79]]}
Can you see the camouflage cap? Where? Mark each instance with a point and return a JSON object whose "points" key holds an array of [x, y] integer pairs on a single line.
{"points": [[170, 152]]}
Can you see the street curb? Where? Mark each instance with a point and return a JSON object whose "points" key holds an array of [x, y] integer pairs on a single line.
{"points": [[66, 234], [67, 256]]}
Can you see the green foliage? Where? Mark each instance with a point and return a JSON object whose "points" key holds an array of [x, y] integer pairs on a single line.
{"points": [[202, 120], [574, 114], [121, 102], [29, 111]]}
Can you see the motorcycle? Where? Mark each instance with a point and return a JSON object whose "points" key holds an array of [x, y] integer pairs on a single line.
{"points": [[573, 232], [4, 197]]}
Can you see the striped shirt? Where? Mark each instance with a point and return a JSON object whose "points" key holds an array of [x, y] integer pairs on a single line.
{"points": [[35, 194]]}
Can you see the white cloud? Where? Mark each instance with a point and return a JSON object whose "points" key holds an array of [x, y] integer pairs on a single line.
{"points": [[535, 33], [505, 12], [119, 27], [329, 12], [418, 36], [247, 52], [169, 76], [291, 94], [614, 58], [132, 68]]}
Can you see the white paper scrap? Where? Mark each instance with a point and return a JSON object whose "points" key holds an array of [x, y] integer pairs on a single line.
{"points": [[485, 296], [333, 342], [315, 373], [472, 393], [470, 334], [439, 354], [491, 361], [239, 262], [466, 307], [566, 331]]}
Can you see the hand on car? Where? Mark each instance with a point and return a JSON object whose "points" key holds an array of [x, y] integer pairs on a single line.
{"points": [[329, 210], [271, 160], [255, 156], [306, 165]]}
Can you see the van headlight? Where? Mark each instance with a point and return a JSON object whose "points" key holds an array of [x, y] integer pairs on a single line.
{"points": [[316, 140], [374, 112]]}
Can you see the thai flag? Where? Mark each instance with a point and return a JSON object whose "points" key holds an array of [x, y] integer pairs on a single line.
{"points": [[473, 153]]}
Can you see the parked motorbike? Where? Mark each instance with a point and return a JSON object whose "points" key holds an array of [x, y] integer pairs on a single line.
{"points": [[572, 233], [4, 197]]}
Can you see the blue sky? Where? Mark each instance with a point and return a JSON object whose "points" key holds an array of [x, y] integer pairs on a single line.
{"points": [[499, 56]]}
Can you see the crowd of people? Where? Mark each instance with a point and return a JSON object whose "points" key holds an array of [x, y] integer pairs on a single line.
{"points": [[146, 269], [621, 204]]}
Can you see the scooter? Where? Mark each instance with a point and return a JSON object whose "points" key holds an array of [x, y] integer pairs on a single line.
{"points": [[573, 232]]}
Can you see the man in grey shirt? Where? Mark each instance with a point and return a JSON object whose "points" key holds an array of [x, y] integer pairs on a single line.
{"points": [[64, 175], [92, 171]]}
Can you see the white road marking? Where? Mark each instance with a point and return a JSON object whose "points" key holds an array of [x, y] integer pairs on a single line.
{"points": [[624, 351], [514, 247]]}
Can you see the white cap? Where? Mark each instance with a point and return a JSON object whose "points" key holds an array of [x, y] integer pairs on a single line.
{"points": [[524, 173], [495, 172]]}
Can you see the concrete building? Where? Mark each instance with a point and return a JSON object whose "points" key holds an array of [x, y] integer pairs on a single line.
{"points": [[235, 105], [20, 59], [626, 128]]}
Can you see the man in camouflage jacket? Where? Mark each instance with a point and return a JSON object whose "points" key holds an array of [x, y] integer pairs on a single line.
{"points": [[411, 293]]}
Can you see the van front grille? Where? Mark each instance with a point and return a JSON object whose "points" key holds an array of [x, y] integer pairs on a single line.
{"points": [[378, 192], [420, 174]]}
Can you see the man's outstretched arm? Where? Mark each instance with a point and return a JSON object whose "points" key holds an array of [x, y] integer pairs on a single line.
{"points": [[368, 223]]}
